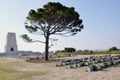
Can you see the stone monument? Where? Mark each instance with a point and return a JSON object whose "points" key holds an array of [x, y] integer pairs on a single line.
{"points": [[11, 44]]}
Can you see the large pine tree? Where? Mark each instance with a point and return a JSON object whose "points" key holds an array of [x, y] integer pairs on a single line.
{"points": [[53, 19]]}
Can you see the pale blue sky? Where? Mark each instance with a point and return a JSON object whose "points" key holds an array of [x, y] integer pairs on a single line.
{"points": [[101, 19]]}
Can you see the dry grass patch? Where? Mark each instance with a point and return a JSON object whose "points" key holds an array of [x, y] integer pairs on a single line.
{"points": [[14, 69]]}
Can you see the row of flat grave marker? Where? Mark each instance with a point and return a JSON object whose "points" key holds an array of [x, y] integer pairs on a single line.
{"points": [[94, 63], [97, 67]]}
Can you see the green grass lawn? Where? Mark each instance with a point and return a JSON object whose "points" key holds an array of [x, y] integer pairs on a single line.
{"points": [[12, 69]]}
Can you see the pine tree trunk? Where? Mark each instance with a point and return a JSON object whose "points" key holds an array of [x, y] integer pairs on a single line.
{"points": [[47, 49]]}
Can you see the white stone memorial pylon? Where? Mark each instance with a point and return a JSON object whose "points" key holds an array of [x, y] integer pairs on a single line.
{"points": [[11, 44]]}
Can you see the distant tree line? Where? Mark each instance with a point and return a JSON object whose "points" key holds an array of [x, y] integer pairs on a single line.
{"points": [[74, 51], [67, 49], [113, 49]]}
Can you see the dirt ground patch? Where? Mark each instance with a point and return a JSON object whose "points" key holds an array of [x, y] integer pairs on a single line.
{"points": [[16, 69]]}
